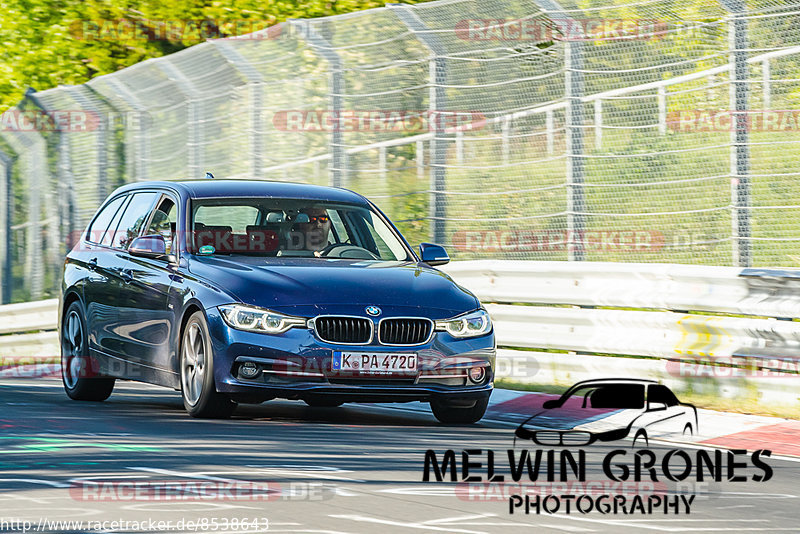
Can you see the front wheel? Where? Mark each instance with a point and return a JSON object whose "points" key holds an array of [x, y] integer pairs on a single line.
{"points": [[449, 413], [78, 370], [199, 392]]}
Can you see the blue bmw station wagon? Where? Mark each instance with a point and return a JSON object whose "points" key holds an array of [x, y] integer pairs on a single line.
{"points": [[237, 291]]}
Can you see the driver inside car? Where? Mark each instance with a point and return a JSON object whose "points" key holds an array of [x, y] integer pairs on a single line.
{"points": [[316, 230]]}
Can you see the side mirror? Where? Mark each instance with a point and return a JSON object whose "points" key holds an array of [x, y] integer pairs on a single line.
{"points": [[656, 406], [148, 246], [549, 405], [433, 254]]}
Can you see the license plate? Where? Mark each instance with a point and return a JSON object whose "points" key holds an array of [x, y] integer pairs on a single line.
{"points": [[374, 362]]}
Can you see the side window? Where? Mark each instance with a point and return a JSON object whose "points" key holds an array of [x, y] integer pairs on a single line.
{"points": [[112, 229], [238, 218], [132, 220], [103, 221], [337, 225], [164, 222], [662, 394]]}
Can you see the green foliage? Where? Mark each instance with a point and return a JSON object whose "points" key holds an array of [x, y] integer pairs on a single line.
{"points": [[44, 43]]}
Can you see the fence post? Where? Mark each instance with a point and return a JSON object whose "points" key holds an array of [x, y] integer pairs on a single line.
{"points": [[139, 157], [75, 92], [420, 157], [766, 83], [185, 85], [437, 104], [550, 128], [598, 124], [740, 149], [338, 169], [32, 155], [573, 93], [65, 188], [662, 110], [255, 83], [5, 225], [382, 162], [506, 133]]}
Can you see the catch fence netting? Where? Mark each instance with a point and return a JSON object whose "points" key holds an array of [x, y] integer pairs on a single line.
{"points": [[652, 131]]}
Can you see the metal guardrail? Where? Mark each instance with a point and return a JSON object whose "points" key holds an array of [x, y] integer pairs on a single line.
{"points": [[562, 305], [565, 306], [28, 332]]}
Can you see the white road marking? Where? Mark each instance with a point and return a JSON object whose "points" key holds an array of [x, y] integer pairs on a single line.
{"points": [[419, 526], [36, 481]]}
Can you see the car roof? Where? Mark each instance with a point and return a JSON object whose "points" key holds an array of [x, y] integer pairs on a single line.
{"points": [[601, 381], [215, 188]]}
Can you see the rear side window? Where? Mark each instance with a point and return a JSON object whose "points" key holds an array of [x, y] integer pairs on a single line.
{"points": [[103, 221], [662, 394], [132, 220], [237, 217]]}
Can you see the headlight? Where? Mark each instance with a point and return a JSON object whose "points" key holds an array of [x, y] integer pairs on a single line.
{"points": [[473, 324], [258, 320]]}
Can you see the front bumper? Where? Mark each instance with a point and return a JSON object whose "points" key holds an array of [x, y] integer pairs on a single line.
{"points": [[297, 365]]}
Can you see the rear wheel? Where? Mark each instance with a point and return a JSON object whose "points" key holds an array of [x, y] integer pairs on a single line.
{"points": [[448, 412], [641, 436], [199, 392], [79, 372]]}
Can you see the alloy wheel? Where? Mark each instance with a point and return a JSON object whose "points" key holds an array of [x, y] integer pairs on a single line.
{"points": [[194, 363]]}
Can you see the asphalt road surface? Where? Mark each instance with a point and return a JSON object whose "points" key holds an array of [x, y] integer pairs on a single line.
{"points": [[137, 459]]}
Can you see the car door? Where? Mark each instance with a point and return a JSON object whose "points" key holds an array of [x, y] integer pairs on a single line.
{"points": [[665, 414], [102, 288], [146, 319]]}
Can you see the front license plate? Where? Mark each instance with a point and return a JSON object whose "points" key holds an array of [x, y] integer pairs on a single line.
{"points": [[374, 362]]}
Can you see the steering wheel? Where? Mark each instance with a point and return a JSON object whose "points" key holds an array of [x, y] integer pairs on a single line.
{"points": [[343, 249]]}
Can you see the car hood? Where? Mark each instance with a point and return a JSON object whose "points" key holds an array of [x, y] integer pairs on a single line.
{"points": [[312, 286], [590, 420]]}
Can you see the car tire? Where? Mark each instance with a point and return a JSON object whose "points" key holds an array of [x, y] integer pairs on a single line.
{"points": [[79, 372], [198, 389], [447, 413], [640, 436], [316, 402]]}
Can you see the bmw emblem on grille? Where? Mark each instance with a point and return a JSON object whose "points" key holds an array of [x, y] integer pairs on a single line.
{"points": [[373, 311]]}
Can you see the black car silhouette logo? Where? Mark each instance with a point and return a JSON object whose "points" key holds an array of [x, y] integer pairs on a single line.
{"points": [[608, 410]]}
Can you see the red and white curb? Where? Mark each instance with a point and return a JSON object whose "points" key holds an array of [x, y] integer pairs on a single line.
{"points": [[718, 429]]}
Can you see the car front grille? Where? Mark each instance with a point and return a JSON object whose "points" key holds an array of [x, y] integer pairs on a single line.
{"points": [[352, 330], [576, 438], [404, 331], [548, 437], [572, 438]]}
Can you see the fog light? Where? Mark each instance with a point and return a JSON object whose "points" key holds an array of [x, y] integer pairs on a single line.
{"points": [[477, 375], [249, 370]]}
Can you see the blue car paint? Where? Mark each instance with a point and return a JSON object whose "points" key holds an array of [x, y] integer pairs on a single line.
{"points": [[304, 287]]}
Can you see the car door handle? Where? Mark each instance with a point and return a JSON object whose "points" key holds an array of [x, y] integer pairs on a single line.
{"points": [[127, 276], [92, 265]]}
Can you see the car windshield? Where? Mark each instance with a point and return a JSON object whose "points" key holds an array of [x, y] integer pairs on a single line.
{"points": [[271, 227], [608, 396]]}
